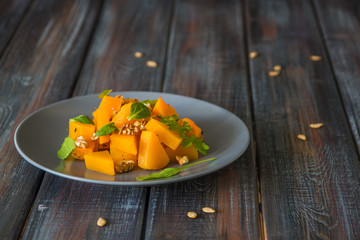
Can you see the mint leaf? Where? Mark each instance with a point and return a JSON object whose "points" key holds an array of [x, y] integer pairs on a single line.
{"points": [[151, 102], [104, 93], [106, 130], [169, 172], [139, 111], [66, 148], [83, 119]]}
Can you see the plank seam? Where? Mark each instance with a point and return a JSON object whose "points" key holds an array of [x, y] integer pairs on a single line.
{"points": [[87, 48], [72, 88], [252, 115], [171, 21], [26, 12], [327, 54]]}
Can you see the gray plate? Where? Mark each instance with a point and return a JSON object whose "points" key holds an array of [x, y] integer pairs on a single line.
{"points": [[41, 134]]}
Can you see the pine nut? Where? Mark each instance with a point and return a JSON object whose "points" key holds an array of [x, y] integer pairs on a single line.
{"points": [[101, 222]]}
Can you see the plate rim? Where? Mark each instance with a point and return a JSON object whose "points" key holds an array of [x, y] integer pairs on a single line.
{"points": [[130, 183]]}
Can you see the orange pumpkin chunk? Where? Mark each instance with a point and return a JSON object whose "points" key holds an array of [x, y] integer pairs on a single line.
{"points": [[125, 143], [152, 155], [118, 155], [166, 136], [120, 118], [100, 162], [79, 152], [190, 152], [163, 109], [195, 130], [104, 113], [77, 129]]}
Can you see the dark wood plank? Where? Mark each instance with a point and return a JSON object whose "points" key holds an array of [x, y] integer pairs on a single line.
{"points": [[74, 207], [207, 60], [309, 189], [11, 12], [340, 24], [127, 27], [37, 68]]}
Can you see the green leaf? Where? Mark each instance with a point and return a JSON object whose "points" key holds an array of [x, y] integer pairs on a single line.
{"points": [[139, 111], [66, 148], [106, 130], [104, 93], [83, 119], [151, 102], [169, 172]]}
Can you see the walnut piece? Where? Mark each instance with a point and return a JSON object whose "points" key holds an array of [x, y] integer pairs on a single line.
{"points": [[182, 160], [124, 166]]}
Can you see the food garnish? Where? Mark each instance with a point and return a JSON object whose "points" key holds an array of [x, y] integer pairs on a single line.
{"points": [[139, 111], [106, 130], [187, 141], [66, 148], [83, 119], [104, 93], [169, 172]]}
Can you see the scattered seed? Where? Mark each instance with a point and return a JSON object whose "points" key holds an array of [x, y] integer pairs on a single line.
{"points": [[192, 214], [316, 125], [151, 63], [301, 137], [277, 68], [138, 54], [253, 54], [101, 222], [315, 58], [208, 210], [274, 73]]}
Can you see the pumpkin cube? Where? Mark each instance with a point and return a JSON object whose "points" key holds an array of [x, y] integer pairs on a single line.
{"points": [[125, 143], [77, 129], [79, 152], [118, 155], [168, 137], [195, 130], [190, 152], [108, 106], [163, 109], [152, 155], [100, 162], [120, 118]]}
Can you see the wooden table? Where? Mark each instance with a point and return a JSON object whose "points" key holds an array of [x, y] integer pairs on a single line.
{"points": [[281, 188]]}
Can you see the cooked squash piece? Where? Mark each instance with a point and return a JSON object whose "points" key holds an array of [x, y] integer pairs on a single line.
{"points": [[79, 152], [152, 155], [125, 143], [190, 152], [95, 116], [104, 113], [104, 146], [118, 155], [100, 162], [121, 117], [168, 137], [163, 109], [195, 129], [77, 129]]}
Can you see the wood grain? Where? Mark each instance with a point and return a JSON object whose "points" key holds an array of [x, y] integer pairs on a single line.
{"points": [[340, 24], [11, 13], [127, 27], [36, 69], [207, 60], [309, 189], [74, 207]]}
